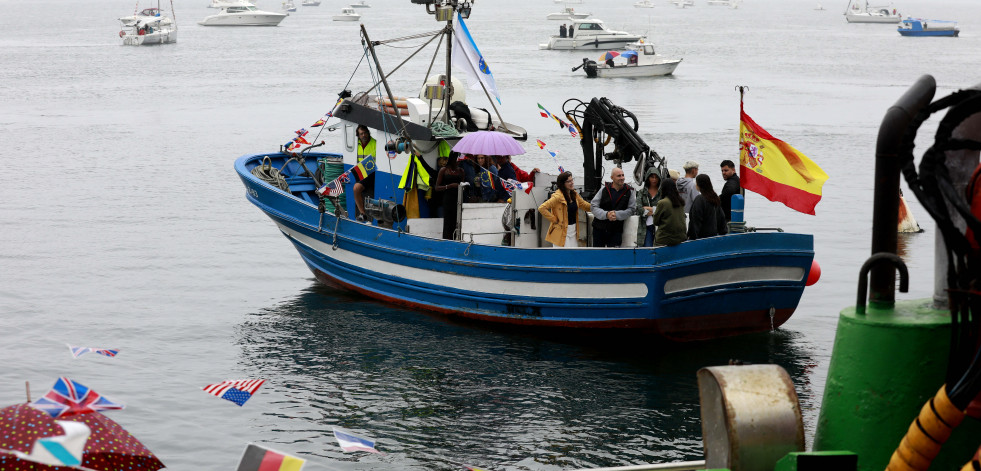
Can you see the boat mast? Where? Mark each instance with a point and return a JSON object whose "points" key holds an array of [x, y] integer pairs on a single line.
{"points": [[449, 59], [384, 80]]}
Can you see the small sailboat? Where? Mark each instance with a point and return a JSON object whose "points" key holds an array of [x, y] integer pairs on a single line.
{"points": [[288, 5], [857, 12], [150, 26]]}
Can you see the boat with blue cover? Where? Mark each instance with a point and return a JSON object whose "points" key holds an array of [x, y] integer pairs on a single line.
{"points": [[921, 27], [497, 267]]}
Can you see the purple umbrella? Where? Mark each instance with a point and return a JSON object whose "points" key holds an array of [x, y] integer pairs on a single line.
{"points": [[488, 143]]}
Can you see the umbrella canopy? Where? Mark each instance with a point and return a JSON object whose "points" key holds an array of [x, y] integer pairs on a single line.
{"points": [[488, 143], [609, 55], [110, 447], [629, 54]]}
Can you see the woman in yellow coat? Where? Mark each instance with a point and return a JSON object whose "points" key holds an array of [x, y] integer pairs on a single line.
{"points": [[562, 210]]}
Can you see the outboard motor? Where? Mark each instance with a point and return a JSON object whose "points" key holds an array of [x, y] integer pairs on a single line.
{"points": [[590, 66]]}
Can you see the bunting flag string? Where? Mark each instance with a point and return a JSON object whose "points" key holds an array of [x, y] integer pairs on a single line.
{"points": [[235, 390], [79, 351], [568, 126], [67, 398], [359, 172], [555, 156], [350, 442]]}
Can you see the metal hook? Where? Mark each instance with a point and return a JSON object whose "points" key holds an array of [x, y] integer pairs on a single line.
{"points": [[863, 281]]}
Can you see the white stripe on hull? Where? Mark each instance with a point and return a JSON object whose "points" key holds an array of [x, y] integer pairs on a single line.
{"points": [[733, 275], [487, 286]]}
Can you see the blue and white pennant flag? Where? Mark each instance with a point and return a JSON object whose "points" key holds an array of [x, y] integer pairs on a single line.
{"points": [[468, 58]]}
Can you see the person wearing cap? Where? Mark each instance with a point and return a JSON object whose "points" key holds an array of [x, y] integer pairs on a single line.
{"points": [[686, 184]]}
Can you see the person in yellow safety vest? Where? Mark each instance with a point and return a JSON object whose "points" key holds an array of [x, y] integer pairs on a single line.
{"points": [[415, 177], [366, 147]]}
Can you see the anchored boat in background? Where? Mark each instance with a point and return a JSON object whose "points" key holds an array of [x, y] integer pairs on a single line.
{"points": [[862, 12], [148, 27], [921, 27], [639, 60], [243, 15], [590, 34], [497, 267]]}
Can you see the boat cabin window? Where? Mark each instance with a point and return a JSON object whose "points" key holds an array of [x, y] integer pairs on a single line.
{"points": [[590, 27], [349, 138], [236, 10], [649, 49]]}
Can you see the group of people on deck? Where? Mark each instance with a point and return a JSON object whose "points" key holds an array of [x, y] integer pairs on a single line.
{"points": [[472, 169], [671, 210]]}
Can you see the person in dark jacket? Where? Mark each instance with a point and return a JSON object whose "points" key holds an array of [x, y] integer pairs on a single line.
{"points": [[612, 205], [731, 187], [706, 218], [669, 215]]}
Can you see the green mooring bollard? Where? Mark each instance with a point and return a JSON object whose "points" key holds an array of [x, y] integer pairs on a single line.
{"points": [[885, 365]]}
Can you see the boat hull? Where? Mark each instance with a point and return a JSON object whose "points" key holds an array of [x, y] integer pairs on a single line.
{"points": [[167, 36], [867, 18], [592, 43], [698, 290], [268, 19], [642, 70], [949, 33]]}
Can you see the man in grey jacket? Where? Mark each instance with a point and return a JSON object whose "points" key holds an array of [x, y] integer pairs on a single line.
{"points": [[686, 184], [612, 205]]}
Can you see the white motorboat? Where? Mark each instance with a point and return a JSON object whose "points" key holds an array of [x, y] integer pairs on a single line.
{"points": [[862, 12], [683, 3], [644, 4], [639, 60], [568, 14], [347, 14], [150, 26], [288, 5], [311, 3], [361, 4], [243, 15], [229, 3], [591, 34]]}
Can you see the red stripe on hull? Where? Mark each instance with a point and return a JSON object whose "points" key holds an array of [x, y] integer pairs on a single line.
{"points": [[704, 327]]}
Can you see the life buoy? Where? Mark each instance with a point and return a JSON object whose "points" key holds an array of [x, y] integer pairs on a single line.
{"points": [[122, 33]]}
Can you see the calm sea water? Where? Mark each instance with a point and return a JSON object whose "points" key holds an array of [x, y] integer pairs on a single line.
{"points": [[123, 224]]}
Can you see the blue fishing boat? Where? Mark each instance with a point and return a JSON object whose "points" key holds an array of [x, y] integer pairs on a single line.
{"points": [[496, 266], [921, 27]]}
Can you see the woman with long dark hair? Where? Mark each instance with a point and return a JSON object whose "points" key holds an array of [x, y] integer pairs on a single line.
{"points": [[562, 211], [447, 181], [669, 215], [706, 218], [647, 198]]}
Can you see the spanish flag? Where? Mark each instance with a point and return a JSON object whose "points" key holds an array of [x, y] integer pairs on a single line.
{"points": [[776, 170]]}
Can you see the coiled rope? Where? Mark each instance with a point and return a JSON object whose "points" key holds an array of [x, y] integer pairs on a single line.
{"points": [[269, 174], [441, 129]]}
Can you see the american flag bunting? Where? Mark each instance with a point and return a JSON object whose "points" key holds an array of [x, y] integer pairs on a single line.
{"points": [[235, 390]]}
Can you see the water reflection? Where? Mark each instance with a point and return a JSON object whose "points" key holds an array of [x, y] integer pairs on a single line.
{"points": [[435, 393]]}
